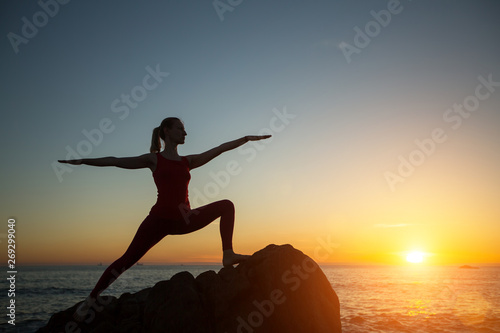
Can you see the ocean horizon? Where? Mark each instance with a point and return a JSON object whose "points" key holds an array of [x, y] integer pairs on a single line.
{"points": [[373, 298]]}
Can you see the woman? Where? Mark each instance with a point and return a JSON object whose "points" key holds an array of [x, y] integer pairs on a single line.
{"points": [[172, 214]]}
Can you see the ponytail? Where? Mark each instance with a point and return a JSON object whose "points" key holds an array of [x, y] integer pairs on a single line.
{"points": [[155, 141], [158, 134]]}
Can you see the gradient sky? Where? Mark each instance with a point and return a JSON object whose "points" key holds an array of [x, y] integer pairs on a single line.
{"points": [[340, 124]]}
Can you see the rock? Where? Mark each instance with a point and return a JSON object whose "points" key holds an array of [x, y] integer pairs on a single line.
{"points": [[278, 289]]}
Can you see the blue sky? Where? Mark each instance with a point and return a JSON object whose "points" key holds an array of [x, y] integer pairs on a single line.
{"points": [[348, 121]]}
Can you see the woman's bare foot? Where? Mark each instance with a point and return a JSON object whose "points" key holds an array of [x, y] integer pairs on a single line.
{"points": [[83, 309], [229, 258]]}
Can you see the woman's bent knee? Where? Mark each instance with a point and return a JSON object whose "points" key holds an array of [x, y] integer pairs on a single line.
{"points": [[228, 205]]}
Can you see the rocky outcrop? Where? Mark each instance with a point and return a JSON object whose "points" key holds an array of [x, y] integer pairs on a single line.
{"points": [[279, 290]]}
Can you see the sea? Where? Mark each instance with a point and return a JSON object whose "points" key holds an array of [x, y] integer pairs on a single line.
{"points": [[372, 298]]}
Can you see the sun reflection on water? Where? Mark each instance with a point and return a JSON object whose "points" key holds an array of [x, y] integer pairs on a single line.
{"points": [[418, 307]]}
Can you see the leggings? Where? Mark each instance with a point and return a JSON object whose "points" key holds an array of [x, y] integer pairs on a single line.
{"points": [[154, 228]]}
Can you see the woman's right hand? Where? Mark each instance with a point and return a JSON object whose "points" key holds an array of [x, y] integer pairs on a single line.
{"points": [[74, 162]]}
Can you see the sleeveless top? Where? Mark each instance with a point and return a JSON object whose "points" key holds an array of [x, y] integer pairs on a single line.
{"points": [[172, 180]]}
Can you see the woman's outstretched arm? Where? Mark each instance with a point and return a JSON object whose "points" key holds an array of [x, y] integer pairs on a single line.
{"points": [[137, 162], [200, 159]]}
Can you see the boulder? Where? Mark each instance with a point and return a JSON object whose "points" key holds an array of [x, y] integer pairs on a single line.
{"points": [[278, 289]]}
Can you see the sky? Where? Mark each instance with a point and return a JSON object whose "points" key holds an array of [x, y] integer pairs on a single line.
{"points": [[384, 115]]}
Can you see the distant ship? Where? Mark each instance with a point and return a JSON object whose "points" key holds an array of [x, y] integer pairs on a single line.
{"points": [[468, 267], [99, 264], [139, 264]]}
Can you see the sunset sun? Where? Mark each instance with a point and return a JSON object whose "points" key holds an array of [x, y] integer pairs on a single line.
{"points": [[415, 257]]}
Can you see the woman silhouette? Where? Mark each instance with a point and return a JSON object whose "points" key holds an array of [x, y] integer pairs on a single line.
{"points": [[172, 214]]}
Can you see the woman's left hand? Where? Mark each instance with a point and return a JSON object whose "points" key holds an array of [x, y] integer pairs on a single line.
{"points": [[257, 137]]}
